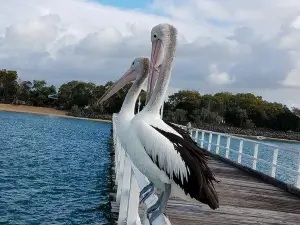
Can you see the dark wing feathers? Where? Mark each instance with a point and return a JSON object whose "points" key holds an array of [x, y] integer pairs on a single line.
{"points": [[199, 184], [183, 133]]}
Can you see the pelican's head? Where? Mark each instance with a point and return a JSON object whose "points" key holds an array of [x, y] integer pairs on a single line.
{"points": [[163, 37], [137, 72]]}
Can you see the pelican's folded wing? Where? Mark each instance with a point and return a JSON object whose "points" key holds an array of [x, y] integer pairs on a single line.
{"points": [[182, 160], [161, 151]]}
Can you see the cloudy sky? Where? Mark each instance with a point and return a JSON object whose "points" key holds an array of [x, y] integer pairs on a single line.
{"points": [[233, 45]]}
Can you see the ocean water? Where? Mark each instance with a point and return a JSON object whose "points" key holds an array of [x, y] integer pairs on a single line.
{"points": [[285, 158], [53, 170]]}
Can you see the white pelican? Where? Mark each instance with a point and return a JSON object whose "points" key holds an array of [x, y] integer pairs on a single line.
{"points": [[166, 155], [171, 162], [138, 72]]}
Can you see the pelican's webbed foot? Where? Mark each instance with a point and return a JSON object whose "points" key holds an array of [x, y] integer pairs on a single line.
{"points": [[146, 192], [160, 206]]}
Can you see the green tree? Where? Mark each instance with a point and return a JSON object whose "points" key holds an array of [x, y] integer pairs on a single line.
{"points": [[23, 91], [177, 116], [240, 110], [8, 84], [185, 100], [39, 93], [296, 111], [77, 93]]}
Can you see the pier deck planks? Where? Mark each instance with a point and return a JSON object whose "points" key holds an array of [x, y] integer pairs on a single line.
{"points": [[244, 199]]}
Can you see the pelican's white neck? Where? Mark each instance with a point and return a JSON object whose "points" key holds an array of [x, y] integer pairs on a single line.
{"points": [[128, 105]]}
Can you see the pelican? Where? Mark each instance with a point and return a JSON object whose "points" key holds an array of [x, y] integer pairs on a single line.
{"points": [[169, 158], [138, 72], [170, 161]]}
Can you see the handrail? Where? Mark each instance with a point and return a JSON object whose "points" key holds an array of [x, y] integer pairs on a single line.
{"points": [[256, 150], [241, 138], [130, 181]]}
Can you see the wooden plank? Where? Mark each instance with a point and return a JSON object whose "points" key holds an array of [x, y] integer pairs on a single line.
{"points": [[178, 213]]}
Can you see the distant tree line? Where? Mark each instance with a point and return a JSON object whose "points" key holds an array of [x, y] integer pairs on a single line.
{"points": [[244, 110], [73, 95]]}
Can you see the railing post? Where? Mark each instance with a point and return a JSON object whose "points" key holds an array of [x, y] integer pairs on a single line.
{"points": [[227, 147], [118, 155], [218, 144], [274, 164], [117, 159], [209, 142], [133, 217], [255, 156], [115, 142], [196, 136], [120, 174], [124, 200], [202, 139], [240, 151], [298, 175]]}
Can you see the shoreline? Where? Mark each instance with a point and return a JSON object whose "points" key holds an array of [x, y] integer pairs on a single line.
{"points": [[61, 113], [43, 111], [266, 138], [266, 134]]}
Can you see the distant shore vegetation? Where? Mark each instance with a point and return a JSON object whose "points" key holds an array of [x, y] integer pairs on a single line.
{"points": [[242, 111]]}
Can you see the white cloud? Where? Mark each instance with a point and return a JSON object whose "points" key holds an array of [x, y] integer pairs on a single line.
{"points": [[292, 79], [219, 78], [255, 44]]}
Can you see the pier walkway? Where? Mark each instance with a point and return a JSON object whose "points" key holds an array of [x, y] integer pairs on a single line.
{"points": [[259, 184]]}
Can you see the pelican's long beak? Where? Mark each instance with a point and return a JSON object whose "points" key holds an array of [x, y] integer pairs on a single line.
{"points": [[157, 55], [128, 77]]}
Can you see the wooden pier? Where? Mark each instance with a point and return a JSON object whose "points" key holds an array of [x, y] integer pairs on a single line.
{"points": [[246, 195]]}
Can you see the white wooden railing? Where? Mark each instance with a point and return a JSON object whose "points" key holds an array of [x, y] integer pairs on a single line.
{"points": [[130, 181], [259, 148]]}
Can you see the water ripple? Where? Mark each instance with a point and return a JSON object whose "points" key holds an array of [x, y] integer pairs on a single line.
{"points": [[52, 170]]}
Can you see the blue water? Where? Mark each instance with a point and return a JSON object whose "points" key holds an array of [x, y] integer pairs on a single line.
{"points": [[285, 158], [52, 170]]}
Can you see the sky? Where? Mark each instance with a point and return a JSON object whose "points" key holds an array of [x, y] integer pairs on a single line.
{"points": [[233, 45], [132, 4]]}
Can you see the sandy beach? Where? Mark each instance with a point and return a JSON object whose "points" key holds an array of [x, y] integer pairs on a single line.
{"points": [[42, 111]]}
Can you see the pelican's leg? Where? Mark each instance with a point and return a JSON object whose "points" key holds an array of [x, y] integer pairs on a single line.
{"points": [[146, 192], [160, 206]]}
